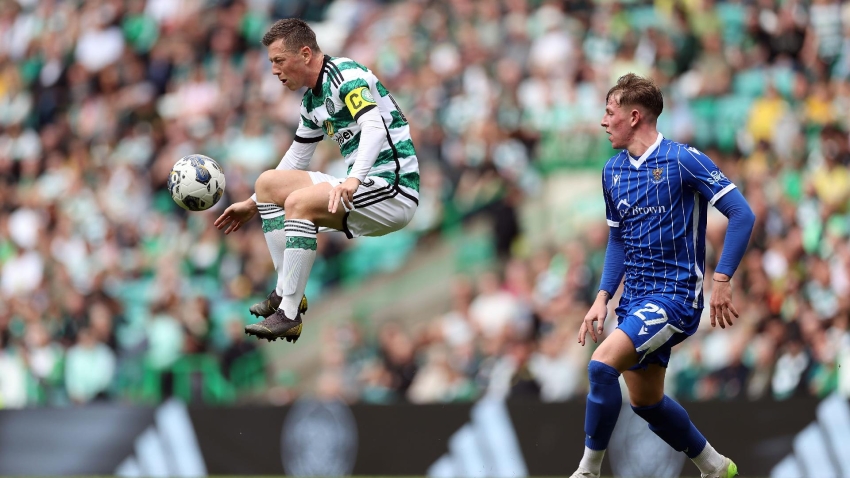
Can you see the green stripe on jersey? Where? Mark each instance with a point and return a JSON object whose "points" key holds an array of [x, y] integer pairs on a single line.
{"points": [[326, 89], [350, 86], [398, 121], [383, 91], [308, 123], [348, 65], [408, 180], [310, 101], [404, 148], [350, 146], [342, 119]]}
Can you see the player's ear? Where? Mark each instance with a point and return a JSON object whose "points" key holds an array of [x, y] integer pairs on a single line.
{"points": [[635, 116], [306, 53]]}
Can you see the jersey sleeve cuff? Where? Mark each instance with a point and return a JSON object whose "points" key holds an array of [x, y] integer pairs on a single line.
{"points": [[721, 193], [301, 139], [613, 223], [358, 177]]}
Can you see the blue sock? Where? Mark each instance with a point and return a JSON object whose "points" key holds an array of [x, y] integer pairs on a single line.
{"points": [[603, 405], [671, 422]]}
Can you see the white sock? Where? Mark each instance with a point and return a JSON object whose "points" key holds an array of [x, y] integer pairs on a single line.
{"points": [[708, 461], [273, 218], [297, 261], [592, 460]]}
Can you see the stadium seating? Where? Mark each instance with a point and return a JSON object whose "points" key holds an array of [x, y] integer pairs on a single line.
{"points": [[99, 267]]}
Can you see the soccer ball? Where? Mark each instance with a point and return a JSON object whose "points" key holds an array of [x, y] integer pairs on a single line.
{"points": [[196, 182]]}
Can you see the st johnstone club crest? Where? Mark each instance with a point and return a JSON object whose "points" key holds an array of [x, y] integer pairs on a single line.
{"points": [[657, 175]]}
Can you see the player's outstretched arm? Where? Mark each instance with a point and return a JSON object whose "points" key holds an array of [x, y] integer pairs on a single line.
{"points": [[236, 215], [612, 275], [297, 157], [741, 221]]}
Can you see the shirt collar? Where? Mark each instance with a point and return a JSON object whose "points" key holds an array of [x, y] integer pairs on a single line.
{"points": [[639, 162], [317, 89]]}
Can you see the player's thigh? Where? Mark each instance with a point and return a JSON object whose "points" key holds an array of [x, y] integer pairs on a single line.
{"points": [[646, 385], [311, 203], [275, 186], [655, 325], [617, 351]]}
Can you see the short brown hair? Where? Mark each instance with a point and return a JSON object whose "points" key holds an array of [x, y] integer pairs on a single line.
{"points": [[636, 90], [295, 33]]}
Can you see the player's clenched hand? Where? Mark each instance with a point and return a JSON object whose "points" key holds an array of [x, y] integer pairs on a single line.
{"points": [[236, 215], [722, 309], [597, 313], [344, 191]]}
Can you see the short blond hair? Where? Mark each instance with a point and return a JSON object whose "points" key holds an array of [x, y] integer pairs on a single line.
{"points": [[634, 90]]}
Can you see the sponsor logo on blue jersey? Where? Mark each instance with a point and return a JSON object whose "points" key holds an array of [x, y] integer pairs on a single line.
{"points": [[716, 176], [626, 209]]}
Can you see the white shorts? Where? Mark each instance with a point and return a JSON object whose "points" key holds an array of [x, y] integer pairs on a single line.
{"points": [[379, 209]]}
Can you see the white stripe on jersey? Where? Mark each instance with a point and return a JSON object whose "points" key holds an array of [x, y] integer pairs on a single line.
{"points": [[649, 226], [660, 235], [682, 202], [698, 288], [673, 222]]}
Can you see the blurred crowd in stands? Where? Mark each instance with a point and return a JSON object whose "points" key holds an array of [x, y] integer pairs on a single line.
{"points": [[108, 291]]}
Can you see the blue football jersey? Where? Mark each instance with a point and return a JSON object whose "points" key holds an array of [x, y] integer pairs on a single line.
{"points": [[659, 201]]}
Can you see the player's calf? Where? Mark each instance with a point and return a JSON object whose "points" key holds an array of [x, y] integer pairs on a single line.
{"points": [[603, 408], [671, 423]]}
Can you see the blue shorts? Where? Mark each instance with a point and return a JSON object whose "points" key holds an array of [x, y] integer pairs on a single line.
{"points": [[655, 324]]}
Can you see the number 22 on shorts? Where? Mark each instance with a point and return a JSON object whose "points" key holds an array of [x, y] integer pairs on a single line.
{"points": [[652, 309]]}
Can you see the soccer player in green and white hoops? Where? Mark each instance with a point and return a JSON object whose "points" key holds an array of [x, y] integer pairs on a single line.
{"points": [[346, 101]]}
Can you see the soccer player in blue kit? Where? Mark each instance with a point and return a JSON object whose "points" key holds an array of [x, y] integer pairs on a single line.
{"points": [[657, 194]]}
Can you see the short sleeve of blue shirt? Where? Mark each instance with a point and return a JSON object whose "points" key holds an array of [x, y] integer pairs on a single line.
{"points": [[700, 172]]}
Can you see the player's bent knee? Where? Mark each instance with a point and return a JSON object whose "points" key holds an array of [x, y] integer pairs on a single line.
{"points": [[265, 186], [297, 205], [293, 203], [607, 357], [276, 185], [599, 372], [645, 399], [617, 350]]}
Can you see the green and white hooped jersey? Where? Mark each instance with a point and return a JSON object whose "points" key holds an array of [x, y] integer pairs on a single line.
{"points": [[346, 90]]}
